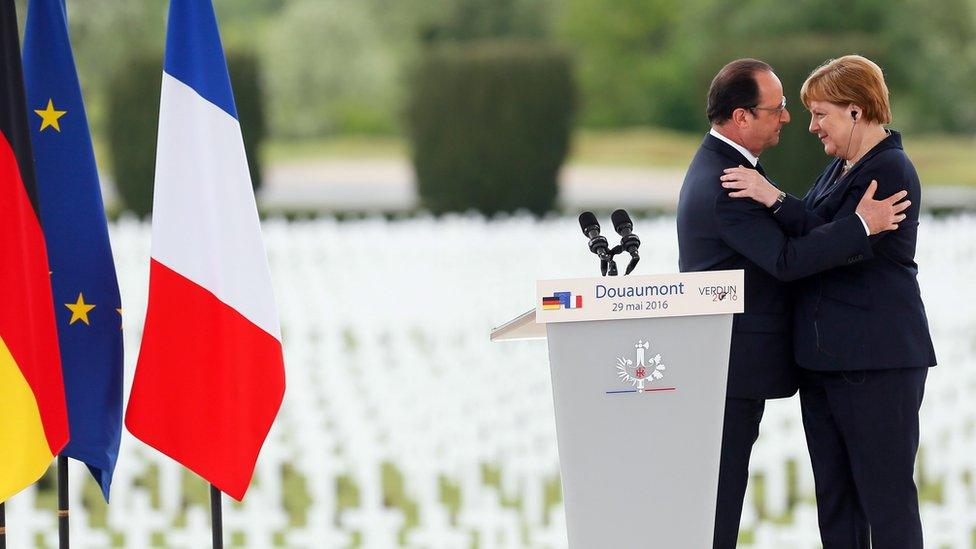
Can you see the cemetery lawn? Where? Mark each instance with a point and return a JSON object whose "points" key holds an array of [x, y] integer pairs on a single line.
{"points": [[940, 159]]}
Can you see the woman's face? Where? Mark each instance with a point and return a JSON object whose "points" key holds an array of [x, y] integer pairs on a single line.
{"points": [[832, 123]]}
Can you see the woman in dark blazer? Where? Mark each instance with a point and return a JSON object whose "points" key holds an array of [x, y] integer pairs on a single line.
{"points": [[861, 337]]}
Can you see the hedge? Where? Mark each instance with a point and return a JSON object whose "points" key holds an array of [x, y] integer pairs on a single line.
{"points": [[133, 117], [489, 125]]}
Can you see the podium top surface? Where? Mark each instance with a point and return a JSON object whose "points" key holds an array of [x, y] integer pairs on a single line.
{"points": [[610, 298], [523, 326]]}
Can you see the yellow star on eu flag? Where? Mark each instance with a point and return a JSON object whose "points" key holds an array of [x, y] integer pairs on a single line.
{"points": [[49, 116], [79, 310]]}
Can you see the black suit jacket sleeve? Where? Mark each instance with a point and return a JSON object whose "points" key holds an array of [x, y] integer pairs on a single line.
{"points": [[795, 218], [747, 227]]}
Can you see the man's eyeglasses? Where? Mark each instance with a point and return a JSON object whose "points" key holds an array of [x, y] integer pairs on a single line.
{"points": [[777, 110]]}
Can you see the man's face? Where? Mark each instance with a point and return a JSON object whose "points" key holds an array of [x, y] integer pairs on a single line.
{"points": [[766, 120]]}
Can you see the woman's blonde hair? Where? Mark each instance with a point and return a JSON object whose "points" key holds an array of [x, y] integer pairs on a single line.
{"points": [[851, 79]]}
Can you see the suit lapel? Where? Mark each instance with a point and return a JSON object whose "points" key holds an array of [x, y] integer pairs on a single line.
{"points": [[829, 183], [837, 181], [715, 144]]}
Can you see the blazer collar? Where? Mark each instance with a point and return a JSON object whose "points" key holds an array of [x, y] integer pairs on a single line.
{"points": [[893, 141], [715, 144], [753, 159]]}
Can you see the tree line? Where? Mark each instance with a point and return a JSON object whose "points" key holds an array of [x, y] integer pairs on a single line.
{"points": [[341, 66]]}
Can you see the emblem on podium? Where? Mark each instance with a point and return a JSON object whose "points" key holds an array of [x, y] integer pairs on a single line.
{"points": [[641, 371]]}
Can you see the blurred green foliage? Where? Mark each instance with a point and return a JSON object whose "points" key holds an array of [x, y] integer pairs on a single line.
{"points": [[637, 60], [134, 115], [131, 132], [339, 66], [929, 67], [249, 98], [650, 61], [476, 20], [330, 71], [489, 124]]}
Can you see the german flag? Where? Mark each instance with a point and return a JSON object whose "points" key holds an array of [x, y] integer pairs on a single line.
{"points": [[550, 303], [33, 416]]}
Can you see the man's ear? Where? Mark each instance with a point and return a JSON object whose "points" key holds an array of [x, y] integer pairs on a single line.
{"points": [[740, 117]]}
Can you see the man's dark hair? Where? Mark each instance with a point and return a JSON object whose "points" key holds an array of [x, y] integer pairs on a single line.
{"points": [[734, 87]]}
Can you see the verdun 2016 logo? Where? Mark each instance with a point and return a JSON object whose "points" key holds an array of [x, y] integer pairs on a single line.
{"points": [[643, 373]]}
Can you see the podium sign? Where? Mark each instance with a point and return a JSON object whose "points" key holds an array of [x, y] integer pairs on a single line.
{"points": [[651, 296], [639, 367]]}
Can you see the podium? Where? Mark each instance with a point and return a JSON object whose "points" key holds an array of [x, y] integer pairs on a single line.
{"points": [[639, 366]]}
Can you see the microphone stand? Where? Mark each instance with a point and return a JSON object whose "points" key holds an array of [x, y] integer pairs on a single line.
{"points": [[609, 266], [633, 263], [630, 242], [598, 245]]}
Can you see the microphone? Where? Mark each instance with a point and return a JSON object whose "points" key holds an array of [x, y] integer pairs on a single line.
{"points": [[598, 244], [628, 241]]}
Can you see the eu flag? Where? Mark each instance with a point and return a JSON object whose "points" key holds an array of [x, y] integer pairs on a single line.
{"points": [[86, 292]]}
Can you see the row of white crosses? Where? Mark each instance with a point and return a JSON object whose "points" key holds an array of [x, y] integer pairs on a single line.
{"points": [[389, 365]]}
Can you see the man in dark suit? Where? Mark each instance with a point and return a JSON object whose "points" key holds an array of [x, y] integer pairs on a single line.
{"points": [[746, 109]]}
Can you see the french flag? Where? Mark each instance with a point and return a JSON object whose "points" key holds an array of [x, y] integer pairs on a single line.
{"points": [[210, 376]]}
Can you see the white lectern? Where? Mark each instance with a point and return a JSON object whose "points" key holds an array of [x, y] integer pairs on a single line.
{"points": [[639, 367]]}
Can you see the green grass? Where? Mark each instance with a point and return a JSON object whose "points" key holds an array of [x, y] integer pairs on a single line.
{"points": [[943, 160], [634, 147], [643, 147], [940, 159], [336, 148], [296, 500]]}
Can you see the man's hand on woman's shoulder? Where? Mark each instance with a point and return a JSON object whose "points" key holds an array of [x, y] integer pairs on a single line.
{"points": [[885, 214], [749, 183]]}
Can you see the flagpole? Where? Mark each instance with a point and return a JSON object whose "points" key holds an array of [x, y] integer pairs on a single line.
{"points": [[3, 526], [63, 531], [216, 518]]}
